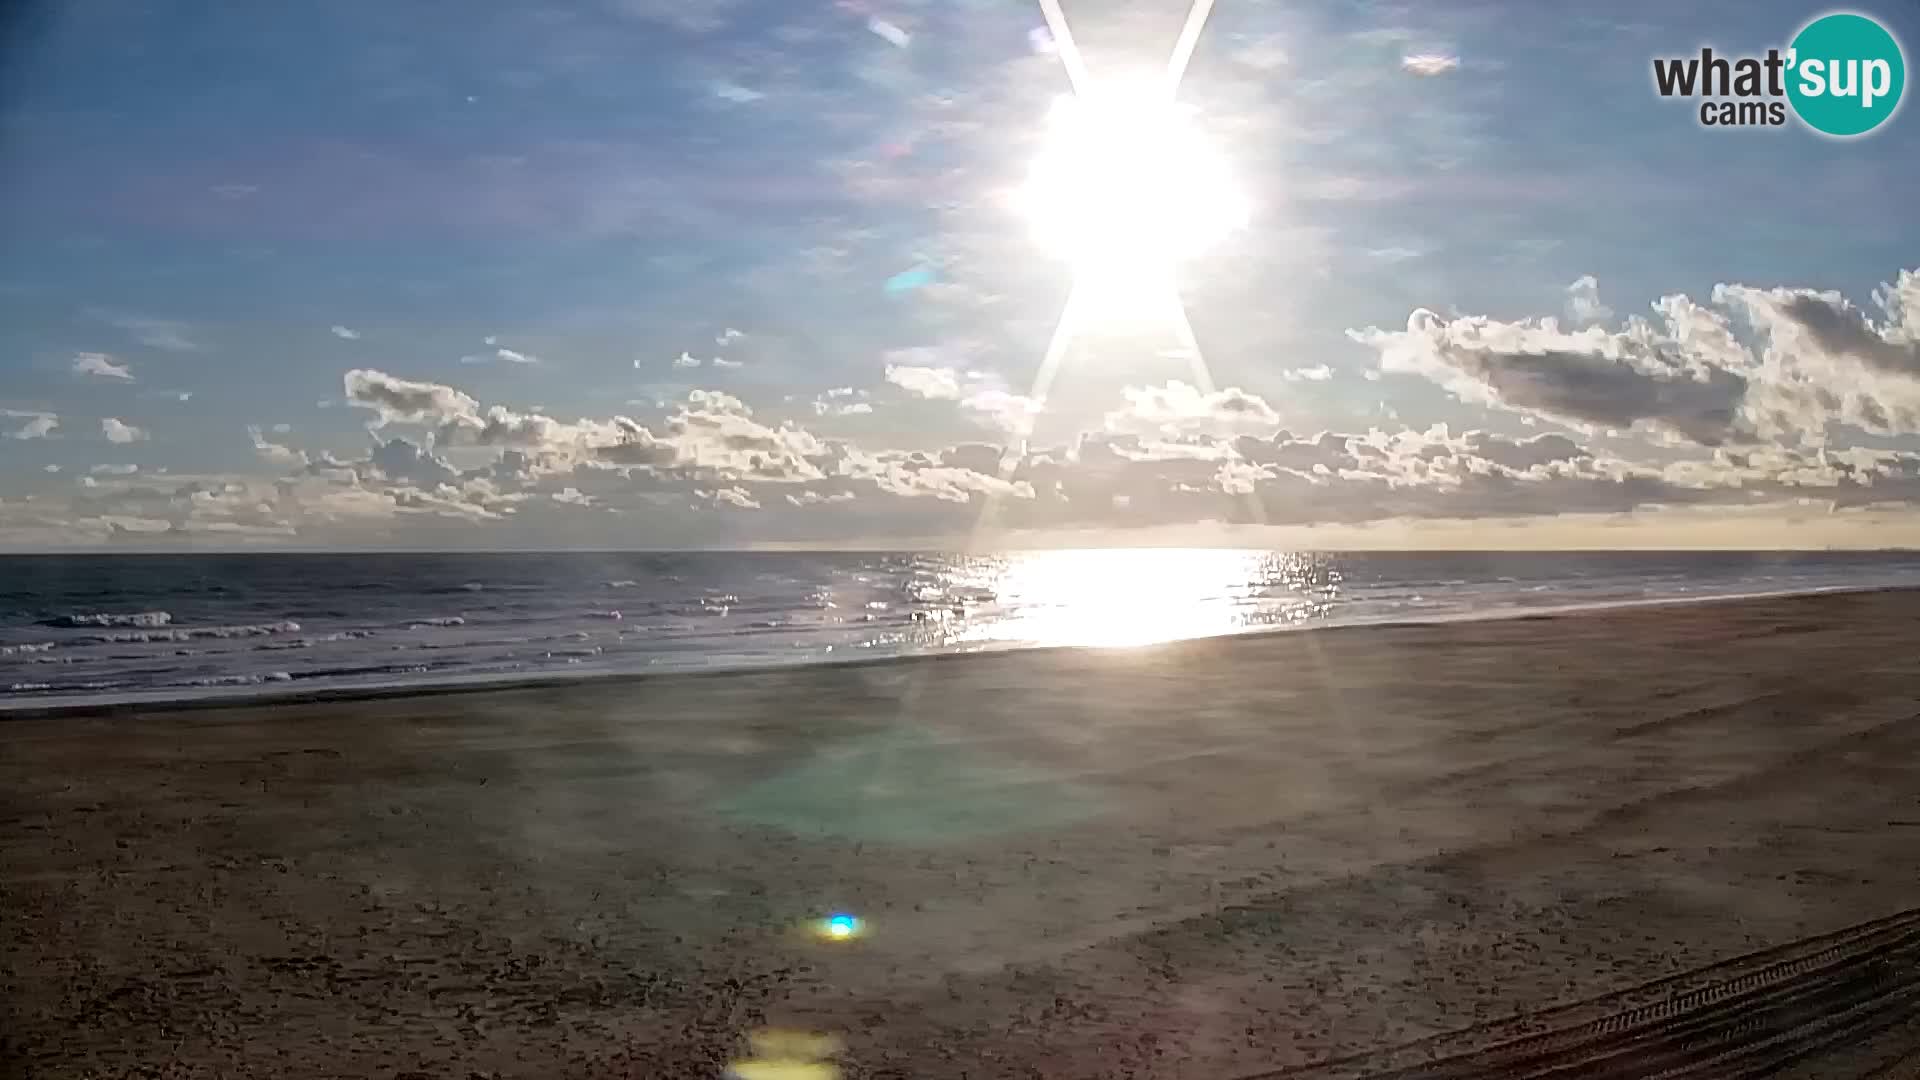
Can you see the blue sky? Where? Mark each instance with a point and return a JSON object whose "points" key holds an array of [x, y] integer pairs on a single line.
{"points": [[652, 240]]}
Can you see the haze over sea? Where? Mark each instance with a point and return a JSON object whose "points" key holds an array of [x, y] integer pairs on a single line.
{"points": [[93, 627]]}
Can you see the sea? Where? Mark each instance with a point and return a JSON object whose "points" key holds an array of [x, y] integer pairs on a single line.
{"points": [[122, 627]]}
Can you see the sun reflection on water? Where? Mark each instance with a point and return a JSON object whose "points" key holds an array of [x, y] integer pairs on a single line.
{"points": [[1119, 597]]}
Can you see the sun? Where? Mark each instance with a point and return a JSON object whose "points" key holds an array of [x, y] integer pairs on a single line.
{"points": [[1125, 187]]}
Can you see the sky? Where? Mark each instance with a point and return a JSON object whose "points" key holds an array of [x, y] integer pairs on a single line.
{"points": [[731, 273]]}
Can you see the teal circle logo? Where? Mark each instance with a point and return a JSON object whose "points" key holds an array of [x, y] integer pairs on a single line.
{"points": [[1845, 74]]}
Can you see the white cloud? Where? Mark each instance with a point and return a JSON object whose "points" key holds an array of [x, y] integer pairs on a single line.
{"points": [[571, 496], [345, 333], [980, 395], [938, 383], [38, 424], [1009, 412], [1317, 373], [890, 33], [727, 337], [512, 357], [841, 401], [736, 497], [1583, 301], [1180, 409], [114, 470], [274, 453], [1429, 64], [814, 498], [119, 431], [734, 92], [723, 362], [686, 360], [100, 365]]}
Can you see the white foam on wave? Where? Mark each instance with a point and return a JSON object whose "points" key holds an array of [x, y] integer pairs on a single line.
{"points": [[30, 647], [191, 633], [237, 680], [107, 618], [437, 623], [317, 639]]}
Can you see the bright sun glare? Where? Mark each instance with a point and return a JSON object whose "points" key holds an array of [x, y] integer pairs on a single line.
{"points": [[1123, 597], [1124, 187]]}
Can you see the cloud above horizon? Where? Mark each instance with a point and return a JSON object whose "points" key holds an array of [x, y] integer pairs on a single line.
{"points": [[1167, 454]]}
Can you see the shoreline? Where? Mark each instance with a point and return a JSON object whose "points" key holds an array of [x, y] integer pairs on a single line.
{"points": [[251, 697]]}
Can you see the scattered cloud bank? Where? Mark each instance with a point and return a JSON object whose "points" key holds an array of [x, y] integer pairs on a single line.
{"points": [[1754, 398]]}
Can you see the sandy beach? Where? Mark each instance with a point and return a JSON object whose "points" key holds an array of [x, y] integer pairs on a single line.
{"points": [[1202, 859]]}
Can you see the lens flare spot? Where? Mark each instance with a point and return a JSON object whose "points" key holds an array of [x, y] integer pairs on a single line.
{"points": [[841, 927]]}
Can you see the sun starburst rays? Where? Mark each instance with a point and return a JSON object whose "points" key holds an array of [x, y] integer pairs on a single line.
{"points": [[1170, 193]]}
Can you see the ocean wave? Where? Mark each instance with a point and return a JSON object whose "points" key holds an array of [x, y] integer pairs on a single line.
{"points": [[191, 633], [437, 622], [623, 583], [236, 680], [572, 654], [21, 650], [371, 669], [106, 618], [604, 615], [310, 642]]}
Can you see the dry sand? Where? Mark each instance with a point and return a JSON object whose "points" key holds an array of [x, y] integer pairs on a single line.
{"points": [[1197, 860]]}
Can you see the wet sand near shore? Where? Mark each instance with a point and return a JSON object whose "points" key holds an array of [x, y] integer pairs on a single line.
{"points": [[1202, 859]]}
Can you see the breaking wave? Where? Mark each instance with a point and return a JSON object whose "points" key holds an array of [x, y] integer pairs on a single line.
{"points": [[101, 618]]}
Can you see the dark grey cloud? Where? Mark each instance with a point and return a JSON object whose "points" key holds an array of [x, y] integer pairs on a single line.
{"points": [[1589, 377], [1843, 330]]}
